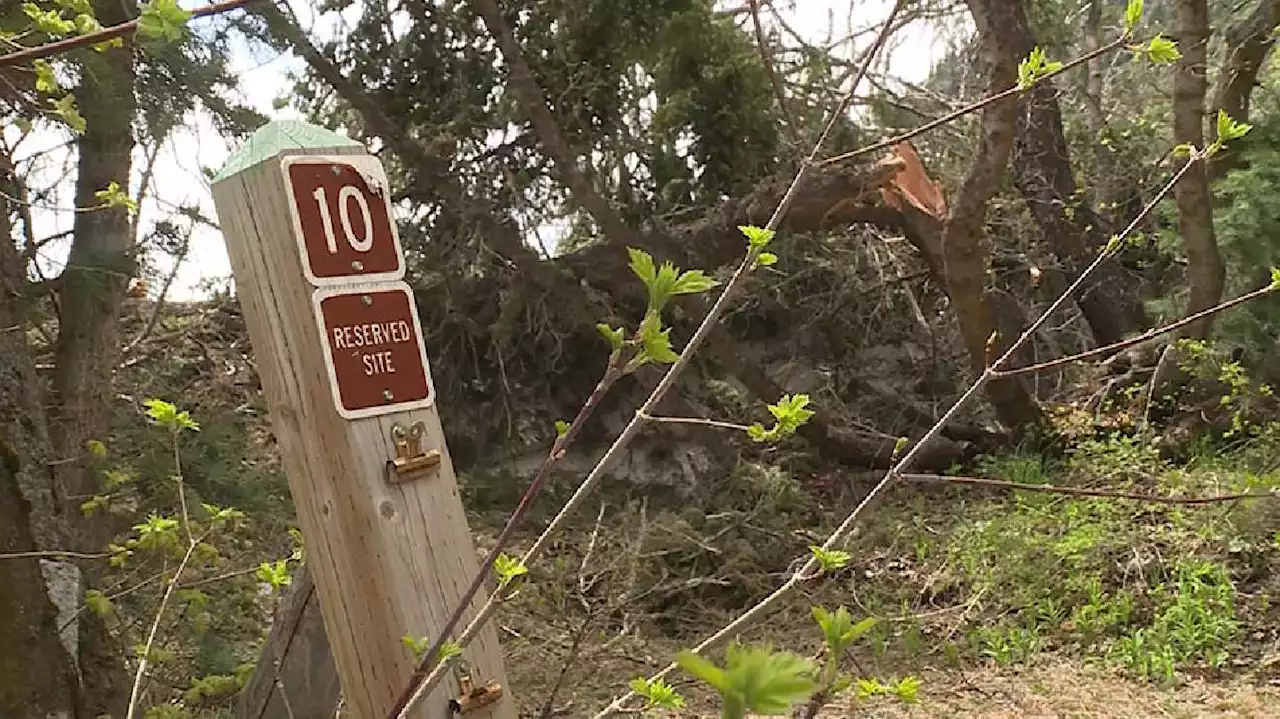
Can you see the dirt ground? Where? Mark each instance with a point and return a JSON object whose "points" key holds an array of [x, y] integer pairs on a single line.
{"points": [[1060, 692]]}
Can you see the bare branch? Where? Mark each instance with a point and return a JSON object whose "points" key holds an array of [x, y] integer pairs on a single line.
{"points": [[968, 109], [1144, 337], [766, 57], [110, 33], [1082, 492]]}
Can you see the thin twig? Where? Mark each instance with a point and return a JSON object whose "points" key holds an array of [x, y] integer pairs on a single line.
{"points": [[1082, 492], [162, 298], [766, 57], [668, 380], [103, 35], [57, 554], [698, 421], [968, 109], [1144, 337], [548, 706], [155, 627], [182, 494], [419, 683]]}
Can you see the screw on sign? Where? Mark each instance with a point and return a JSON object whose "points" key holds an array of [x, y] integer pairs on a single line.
{"points": [[374, 350], [341, 213]]}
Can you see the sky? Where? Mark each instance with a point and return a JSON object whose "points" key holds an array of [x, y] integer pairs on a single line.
{"points": [[179, 179]]}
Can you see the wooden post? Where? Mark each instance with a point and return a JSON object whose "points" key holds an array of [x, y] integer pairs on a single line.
{"points": [[318, 270]]}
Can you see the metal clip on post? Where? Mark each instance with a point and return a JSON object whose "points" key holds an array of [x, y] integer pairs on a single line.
{"points": [[472, 697], [411, 461]]}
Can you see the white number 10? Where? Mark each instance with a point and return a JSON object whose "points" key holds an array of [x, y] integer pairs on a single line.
{"points": [[359, 244]]}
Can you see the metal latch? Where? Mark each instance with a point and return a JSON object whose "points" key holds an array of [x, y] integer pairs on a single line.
{"points": [[472, 697], [411, 462]]}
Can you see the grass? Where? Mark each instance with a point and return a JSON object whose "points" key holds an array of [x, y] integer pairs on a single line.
{"points": [[1118, 598]]}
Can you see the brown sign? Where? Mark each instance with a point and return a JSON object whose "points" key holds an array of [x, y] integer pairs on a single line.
{"points": [[373, 346], [342, 218]]}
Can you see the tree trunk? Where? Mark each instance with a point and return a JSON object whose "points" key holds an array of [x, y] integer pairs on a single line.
{"points": [[91, 289], [37, 675], [1044, 176], [1206, 274], [1117, 192], [1248, 43], [965, 258]]}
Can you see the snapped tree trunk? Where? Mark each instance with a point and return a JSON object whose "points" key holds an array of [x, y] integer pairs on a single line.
{"points": [[965, 258], [1206, 274]]}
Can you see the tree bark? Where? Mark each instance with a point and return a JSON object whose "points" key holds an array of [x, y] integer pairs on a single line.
{"points": [[91, 289], [1044, 176], [1248, 43], [963, 233], [1206, 274], [37, 675]]}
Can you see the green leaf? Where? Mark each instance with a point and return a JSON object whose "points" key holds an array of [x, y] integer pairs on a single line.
{"points": [[163, 20], [416, 645], [1275, 278], [46, 81], [49, 22], [768, 682], [113, 479], [219, 516], [657, 693], [642, 265], [830, 560], [167, 415], [448, 650], [508, 568], [1036, 66], [274, 573], [90, 506], [1183, 150], [868, 688], [899, 445], [907, 690], [665, 281], [114, 196], [86, 23], [692, 282], [1132, 15], [839, 630], [767, 259], [97, 602], [1229, 129], [655, 342], [701, 668], [756, 236], [65, 108], [562, 428], [614, 336], [1162, 51], [96, 449], [790, 413], [157, 532]]}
